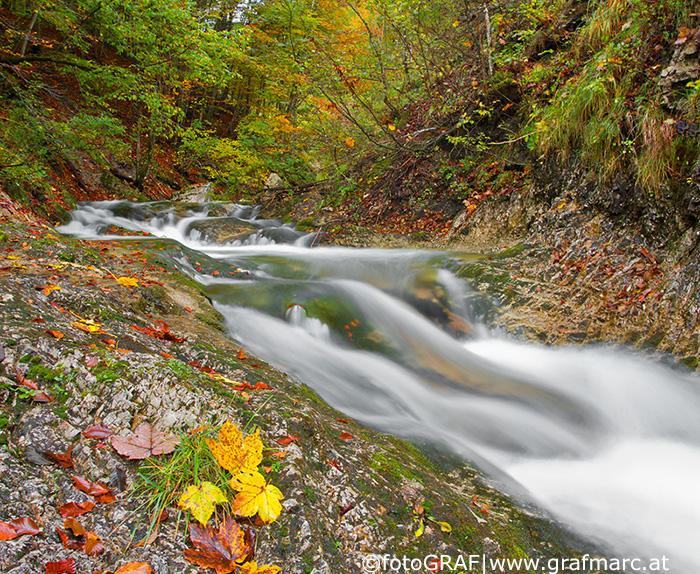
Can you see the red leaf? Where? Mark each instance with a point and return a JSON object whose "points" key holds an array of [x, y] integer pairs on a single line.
{"points": [[284, 441], [99, 491], [63, 459], [61, 567], [73, 509], [262, 386], [30, 384], [25, 526], [98, 431], [145, 442], [218, 550], [346, 436]]}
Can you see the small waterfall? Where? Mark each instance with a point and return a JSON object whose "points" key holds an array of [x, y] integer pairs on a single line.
{"points": [[607, 441]]}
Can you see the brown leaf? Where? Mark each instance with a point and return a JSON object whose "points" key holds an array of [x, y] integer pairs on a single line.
{"points": [[93, 545], [61, 567], [74, 526], [63, 459], [41, 397], [73, 509], [144, 443], [218, 550], [98, 431]]}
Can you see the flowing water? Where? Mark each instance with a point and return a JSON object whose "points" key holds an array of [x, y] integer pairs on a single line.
{"points": [[608, 442]]}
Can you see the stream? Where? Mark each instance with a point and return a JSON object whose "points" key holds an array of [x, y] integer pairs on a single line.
{"points": [[606, 440]]}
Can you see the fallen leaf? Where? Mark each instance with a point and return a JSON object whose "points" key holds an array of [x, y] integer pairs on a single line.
{"points": [[61, 567], [234, 453], [74, 526], [87, 325], [201, 500], [253, 568], [68, 543], [241, 355], [256, 496], [48, 289], [261, 386], [95, 489], [134, 568], [346, 436], [218, 550], [42, 397], [128, 281], [279, 454], [24, 526], [285, 440], [145, 442], [7, 532], [93, 545], [98, 431], [56, 334], [63, 459], [73, 509]]}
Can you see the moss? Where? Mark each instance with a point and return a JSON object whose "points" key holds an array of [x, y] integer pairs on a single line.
{"points": [[4, 237]]}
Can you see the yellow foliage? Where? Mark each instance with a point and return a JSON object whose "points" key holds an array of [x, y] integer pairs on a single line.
{"points": [[256, 496], [201, 500], [234, 453]]}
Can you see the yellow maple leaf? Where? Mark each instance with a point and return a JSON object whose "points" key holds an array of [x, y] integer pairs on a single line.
{"points": [[256, 496], [233, 452], [128, 281], [201, 500], [253, 568]]}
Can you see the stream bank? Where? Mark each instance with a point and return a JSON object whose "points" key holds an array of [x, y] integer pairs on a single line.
{"points": [[146, 351]]}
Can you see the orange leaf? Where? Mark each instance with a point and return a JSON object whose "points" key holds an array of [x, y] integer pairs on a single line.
{"points": [[262, 386], [134, 568], [7, 532], [48, 289], [346, 436], [74, 526], [241, 355], [218, 550], [93, 545], [56, 334]]}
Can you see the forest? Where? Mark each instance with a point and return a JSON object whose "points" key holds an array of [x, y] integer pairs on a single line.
{"points": [[433, 103]]}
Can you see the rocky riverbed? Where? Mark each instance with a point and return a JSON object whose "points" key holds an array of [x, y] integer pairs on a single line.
{"points": [[104, 333]]}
